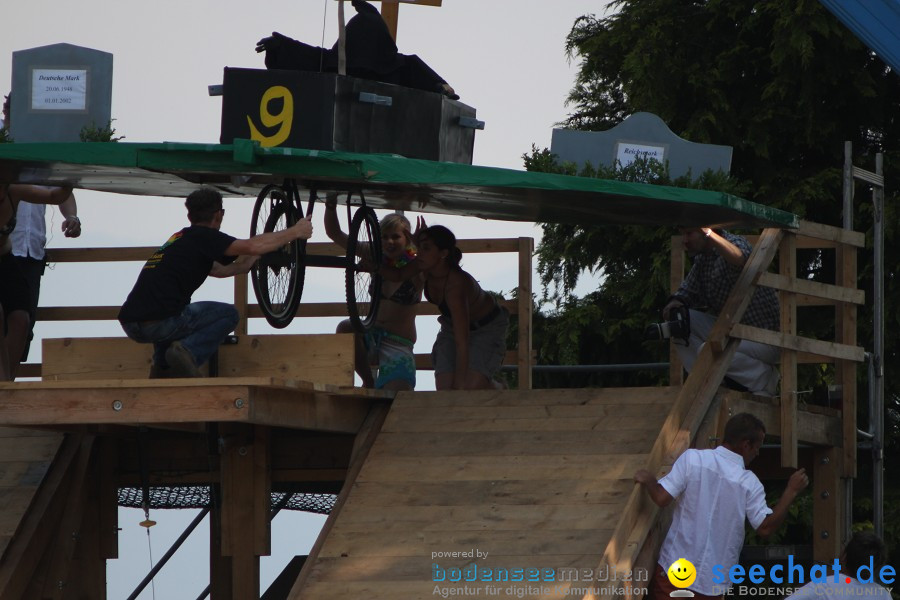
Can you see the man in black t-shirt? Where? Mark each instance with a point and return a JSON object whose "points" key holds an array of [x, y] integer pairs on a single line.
{"points": [[159, 310]]}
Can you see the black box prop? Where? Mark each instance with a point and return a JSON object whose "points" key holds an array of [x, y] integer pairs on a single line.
{"points": [[325, 111]]}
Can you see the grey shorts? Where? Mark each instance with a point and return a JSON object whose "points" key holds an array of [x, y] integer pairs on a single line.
{"points": [[487, 346]]}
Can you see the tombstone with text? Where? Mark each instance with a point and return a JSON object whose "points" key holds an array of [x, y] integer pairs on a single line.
{"points": [[57, 90], [641, 134]]}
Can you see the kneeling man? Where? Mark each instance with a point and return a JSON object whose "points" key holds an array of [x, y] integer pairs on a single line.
{"points": [[159, 310]]}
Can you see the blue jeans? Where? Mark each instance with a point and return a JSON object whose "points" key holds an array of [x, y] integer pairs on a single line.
{"points": [[200, 328]]}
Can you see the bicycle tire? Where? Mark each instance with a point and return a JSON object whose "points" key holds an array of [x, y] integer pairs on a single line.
{"points": [[278, 276], [363, 287]]}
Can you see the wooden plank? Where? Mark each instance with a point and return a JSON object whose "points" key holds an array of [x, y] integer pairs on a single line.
{"points": [[812, 428], [827, 497], [793, 342], [328, 358], [405, 415], [832, 234], [135, 405], [611, 424], [549, 397], [141, 253], [788, 308], [471, 493], [545, 542], [417, 568], [833, 293], [320, 412], [512, 443], [525, 310], [193, 403], [501, 468]]}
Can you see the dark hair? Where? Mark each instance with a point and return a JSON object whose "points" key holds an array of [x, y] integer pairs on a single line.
{"points": [[203, 204], [862, 545], [444, 239], [743, 426]]}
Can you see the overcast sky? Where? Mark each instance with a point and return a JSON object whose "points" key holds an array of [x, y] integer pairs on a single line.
{"points": [[506, 58]]}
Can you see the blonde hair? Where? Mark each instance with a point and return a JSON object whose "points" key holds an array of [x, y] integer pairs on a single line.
{"points": [[397, 221]]}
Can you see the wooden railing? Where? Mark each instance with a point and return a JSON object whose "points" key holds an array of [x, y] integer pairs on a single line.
{"points": [[520, 306]]}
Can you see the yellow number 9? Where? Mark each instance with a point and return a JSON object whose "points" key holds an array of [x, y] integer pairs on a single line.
{"points": [[282, 120]]}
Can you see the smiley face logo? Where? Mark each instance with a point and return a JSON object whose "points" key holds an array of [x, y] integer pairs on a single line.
{"points": [[682, 573]]}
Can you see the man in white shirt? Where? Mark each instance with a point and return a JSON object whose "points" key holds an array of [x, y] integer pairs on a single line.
{"points": [[716, 494], [28, 241], [30, 237]]}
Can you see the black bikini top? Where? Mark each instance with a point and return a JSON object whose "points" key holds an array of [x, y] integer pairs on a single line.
{"points": [[407, 294]]}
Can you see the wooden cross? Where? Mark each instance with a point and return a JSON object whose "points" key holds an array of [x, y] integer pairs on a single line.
{"points": [[390, 10]]}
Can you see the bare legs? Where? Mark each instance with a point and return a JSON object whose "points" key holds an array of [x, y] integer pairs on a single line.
{"points": [[360, 356]]}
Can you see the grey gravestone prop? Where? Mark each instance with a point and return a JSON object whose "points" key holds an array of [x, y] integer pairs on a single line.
{"points": [[57, 90], [641, 133]]}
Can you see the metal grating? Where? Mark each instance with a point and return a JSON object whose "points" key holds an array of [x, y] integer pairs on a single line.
{"points": [[199, 497]]}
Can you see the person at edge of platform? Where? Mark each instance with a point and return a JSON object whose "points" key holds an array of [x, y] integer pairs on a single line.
{"points": [[863, 547], [389, 342], [14, 292], [719, 257], [371, 54], [159, 310], [29, 238], [716, 493]]}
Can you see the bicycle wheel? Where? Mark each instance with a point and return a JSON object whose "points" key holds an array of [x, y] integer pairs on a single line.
{"points": [[278, 276], [363, 255]]}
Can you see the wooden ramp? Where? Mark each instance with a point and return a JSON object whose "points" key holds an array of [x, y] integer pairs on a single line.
{"points": [[460, 484]]}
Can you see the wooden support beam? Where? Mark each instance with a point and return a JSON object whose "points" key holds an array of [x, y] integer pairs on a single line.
{"points": [[525, 310], [61, 551], [107, 498], [827, 492], [792, 342], [787, 269], [832, 293], [246, 492], [25, 551], [220, 572], [812, 427], [300, 405], [676, 276]]}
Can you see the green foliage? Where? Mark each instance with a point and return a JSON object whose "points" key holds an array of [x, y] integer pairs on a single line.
{"points": [[4, 136], [106, 133], [784, 84]]}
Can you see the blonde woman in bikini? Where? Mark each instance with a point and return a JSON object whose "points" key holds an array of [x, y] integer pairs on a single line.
{"points": [[389, 342]]}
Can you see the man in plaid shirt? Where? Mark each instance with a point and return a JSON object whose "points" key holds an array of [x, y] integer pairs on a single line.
{"points": [[718, 259]]}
